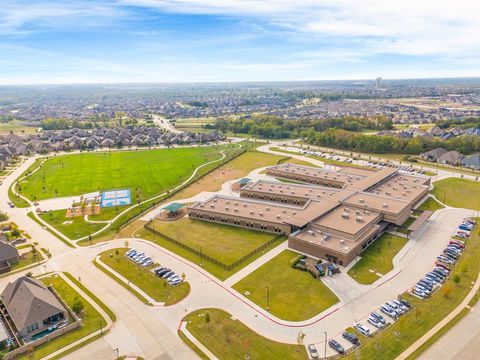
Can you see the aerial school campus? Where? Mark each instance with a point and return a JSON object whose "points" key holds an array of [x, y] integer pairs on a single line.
{"points": [[233, 249]]}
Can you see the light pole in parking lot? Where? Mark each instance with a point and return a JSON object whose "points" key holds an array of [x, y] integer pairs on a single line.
{"points": [[325, 351]]}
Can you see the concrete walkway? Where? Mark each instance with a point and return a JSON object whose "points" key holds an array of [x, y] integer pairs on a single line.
{"points": [[193, 339]]}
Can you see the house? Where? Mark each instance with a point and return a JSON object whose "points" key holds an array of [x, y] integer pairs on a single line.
{"points": [[108, 143], [433, 155], [8, 255], [436, 131], [473, 131], [451, 158], [32, 307], [472, 161]]}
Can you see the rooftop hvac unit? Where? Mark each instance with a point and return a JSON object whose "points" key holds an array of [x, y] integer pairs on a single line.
{"points": [[235, 203], [359, 219], [345, 215], [227, 202], [251, 212], [327, 236], [361, 200], [244, 204], [270, 190], [267, 208], [342, 241], [385, 205], [311, 232], [278, 216], [236, 210], [347, 210], [212, 206], [284, 211], [261, 213], [366, 212], [214, 200], [388, 193], [201, 205], [226, 208], [357, 212], [294, 213], [403, 194]]}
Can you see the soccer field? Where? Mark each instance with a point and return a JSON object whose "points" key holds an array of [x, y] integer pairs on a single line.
{"points": [[145, 172]]}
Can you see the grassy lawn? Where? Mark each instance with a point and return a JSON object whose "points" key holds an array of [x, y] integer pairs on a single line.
{"points": [[223, 242], [32, 216], [16, 200], [430, 204], [92, 320], [237, 168], [410, 327], [77, 229], [154, 171], [17, 128], [377, 257], [294, 295], [230, 339], [27, 259], [156, 288], [403, 229], [458, 193]]}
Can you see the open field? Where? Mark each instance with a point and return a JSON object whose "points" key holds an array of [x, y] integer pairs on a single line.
{"points": [[223, 242], [76, 229], [145, 172], [92, 320], [294, 295], [430, 204], [17, 128], [378, 258], [156, 288], [458, 193], [227, 338], [237, 168], [426, 314]]}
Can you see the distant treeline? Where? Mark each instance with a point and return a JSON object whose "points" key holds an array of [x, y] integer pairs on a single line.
{"points": [[64, 124], [464, 123], [347, 140], [274, 127]]}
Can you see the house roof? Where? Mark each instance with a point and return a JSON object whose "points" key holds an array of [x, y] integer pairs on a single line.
{"points": [[7, 250], [451, 156], [29, 301]]}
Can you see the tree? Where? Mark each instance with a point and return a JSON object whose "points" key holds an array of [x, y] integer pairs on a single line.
{"points": [[117, 252], [300, 338], [3, 217], [77, 306], [456, 279], [446, 291], [207, 318]]}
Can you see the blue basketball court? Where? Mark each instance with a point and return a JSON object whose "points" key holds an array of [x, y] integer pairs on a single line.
{"points": [[116, 198]]}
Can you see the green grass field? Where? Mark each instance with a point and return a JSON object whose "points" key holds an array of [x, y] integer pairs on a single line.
{"points": [[377, 257], [294, 295], [156, 288], [145, 172], [91, 320], [430, 204], [426, 314], [231, 339], [27, 259], [458, 193], [77, 229], [223, 242]]}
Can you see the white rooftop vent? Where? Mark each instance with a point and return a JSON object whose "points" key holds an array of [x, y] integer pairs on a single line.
{"points": [[294, 213], [284, 211], [357, 212], [345, 215], [267, 208], [235, 203], [214, 200], [226, 208], [311, 232], [227, 202], [251, 212], [260, 213], [278, 216], [385, 205], [342, 241], [347, 210], [235, 209], [361, 200], [359, 219]]}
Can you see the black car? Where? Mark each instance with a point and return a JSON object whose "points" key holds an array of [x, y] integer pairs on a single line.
{"points": [[351, 338], [163, 272], [406, 303], [335, 345]]}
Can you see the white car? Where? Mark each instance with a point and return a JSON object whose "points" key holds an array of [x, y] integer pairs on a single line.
{"points": [[362, 329]]}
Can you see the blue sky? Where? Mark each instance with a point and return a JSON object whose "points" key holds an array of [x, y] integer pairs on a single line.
{"points": [[92, 41]]}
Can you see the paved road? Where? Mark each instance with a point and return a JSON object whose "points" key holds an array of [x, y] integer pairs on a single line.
{"points": [[151, 332]]}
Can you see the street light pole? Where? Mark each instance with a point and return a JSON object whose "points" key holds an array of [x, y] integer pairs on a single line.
{"points": [[325, 351]]}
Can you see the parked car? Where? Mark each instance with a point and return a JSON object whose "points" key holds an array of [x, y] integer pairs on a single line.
{"points": [[461, 235], [378, 317], [131, 251], [312, 350], [458, 242], [401, 305], [352, 338], [163, 272], [374, 322], [405, 303], [147, 263], [362, 329], [387, 310], [335, 345], [175, 282], [395, 307], [167, 274]]}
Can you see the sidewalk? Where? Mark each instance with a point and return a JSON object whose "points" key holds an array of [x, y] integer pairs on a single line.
{"points": [[193, 339]]}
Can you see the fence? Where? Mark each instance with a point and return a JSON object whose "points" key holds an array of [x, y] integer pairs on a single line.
{"points": [[203, 256]]}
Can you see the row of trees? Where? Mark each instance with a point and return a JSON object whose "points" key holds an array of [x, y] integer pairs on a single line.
{"points": [[274, 127], [348, 140]]}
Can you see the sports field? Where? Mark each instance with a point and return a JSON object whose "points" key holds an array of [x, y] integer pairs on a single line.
{"points": [[145, 172]]}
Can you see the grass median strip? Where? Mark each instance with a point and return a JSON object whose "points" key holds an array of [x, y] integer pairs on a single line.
{"points": [[228, 338], [377, 258], [293, 294], [105, 308], [92, 320], [158, 289]]}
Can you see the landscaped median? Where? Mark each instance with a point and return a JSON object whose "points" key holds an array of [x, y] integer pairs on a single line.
{"points": [[143, 278], [292, 294], [228, 338], [377, 259], [427, 313]]}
